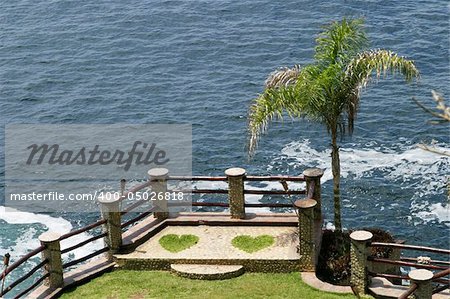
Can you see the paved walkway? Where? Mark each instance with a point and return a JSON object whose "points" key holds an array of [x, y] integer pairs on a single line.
{"points": [[215, 243]]}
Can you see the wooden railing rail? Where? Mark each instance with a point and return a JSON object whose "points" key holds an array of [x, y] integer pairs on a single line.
{"points": [[246, 191], [135, 189], [31, 287], [414, 259], [246, 178], [138, 217], [409, 292], [226, 205], [407, 264], [22, 260], [441, 274], [133, 206], [112, 212], [83, 229], [198, 178], [23, 278], [388, 276], [410, 247], [87, 241], [85, 258]]}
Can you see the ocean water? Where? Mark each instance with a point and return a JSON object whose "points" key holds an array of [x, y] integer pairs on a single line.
{"points": [[201, 63]]}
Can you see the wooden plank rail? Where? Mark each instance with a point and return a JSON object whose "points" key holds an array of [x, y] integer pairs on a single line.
{"points": [[134, 190], [414, 263], [85, 258], [442, 274], [22, 260], [137, 218], [408, 264], [198, 178], [282, 179], [413, 259], [199, 204], [246, 191], [35, 284], [268, 205], [92, 239], [409, 292], [133, 206], [83, 229], [250, 178], [23, 278], [410, 247], [270, 178], [389, 276]]}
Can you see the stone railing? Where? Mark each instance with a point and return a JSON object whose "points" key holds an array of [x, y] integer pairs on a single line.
{"points": [[427, 277], [114, 209]]}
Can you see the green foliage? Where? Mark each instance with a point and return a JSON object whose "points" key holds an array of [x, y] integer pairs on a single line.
{"points": [[175, 243], [334, 257], [328, 90], [252, 244], [159, 284]]}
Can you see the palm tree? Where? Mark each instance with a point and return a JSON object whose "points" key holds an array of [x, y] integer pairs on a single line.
{"points": [[327, 91]]}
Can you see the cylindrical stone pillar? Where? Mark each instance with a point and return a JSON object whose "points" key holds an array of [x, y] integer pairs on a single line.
{"points": [[359, 251], [312, 176], [52, 253], [236, 197], [307, 245], [158, 184], [110, 209], [422, 278]]}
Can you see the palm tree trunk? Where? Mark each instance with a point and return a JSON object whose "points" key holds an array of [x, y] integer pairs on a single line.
{"points": [[336, 168]]}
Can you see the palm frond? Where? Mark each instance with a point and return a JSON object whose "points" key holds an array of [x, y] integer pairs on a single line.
{"points": [[340, 41], [442, 113], [360, 70], [266, 107], [283, 77]]}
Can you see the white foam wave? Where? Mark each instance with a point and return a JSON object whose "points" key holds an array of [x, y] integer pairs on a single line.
{"points": [[405, 165], [28, 240]]}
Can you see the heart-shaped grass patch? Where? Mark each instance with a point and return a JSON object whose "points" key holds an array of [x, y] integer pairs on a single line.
{"points": [[175, 243], [252, 244]]}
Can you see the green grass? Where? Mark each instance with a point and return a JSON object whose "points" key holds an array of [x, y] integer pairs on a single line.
{"points": [[252, 244], [161, 284], [176, 243]]}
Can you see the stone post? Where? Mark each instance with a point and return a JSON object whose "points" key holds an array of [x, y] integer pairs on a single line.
{"points": [[312, 176], [236, 196], [110, 209], [307, 245], [52, 253], [158, 184], [422, 278], [359, 251]]}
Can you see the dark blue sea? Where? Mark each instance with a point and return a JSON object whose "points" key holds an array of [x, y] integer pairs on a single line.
{"points": [[201, 63]]}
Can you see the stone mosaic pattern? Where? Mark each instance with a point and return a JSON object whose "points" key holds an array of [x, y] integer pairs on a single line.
{"points": [[358, 258], [206, 272], [252, 265], [307, 248]]}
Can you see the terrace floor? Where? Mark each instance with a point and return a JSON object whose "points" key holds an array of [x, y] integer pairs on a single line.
{"points": [[215, 243]]}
